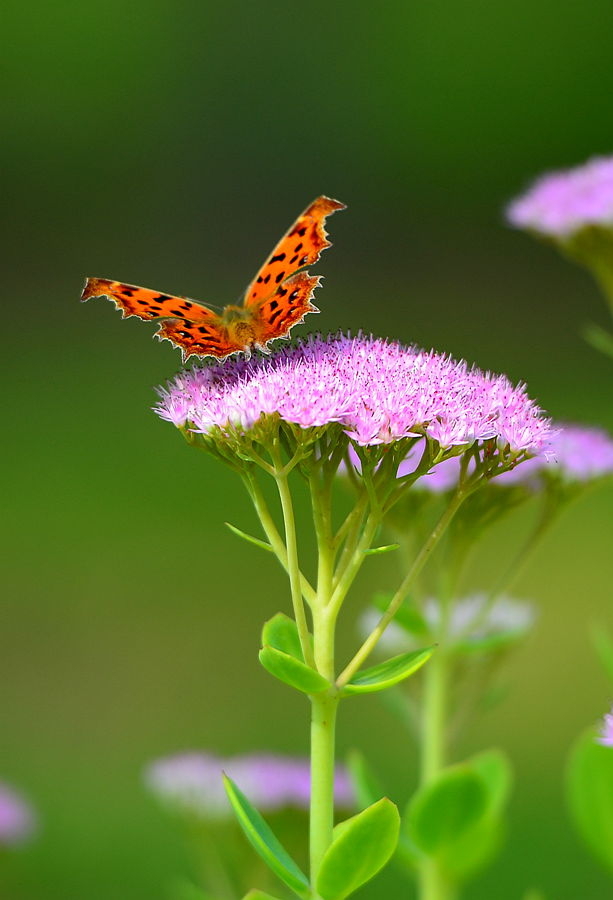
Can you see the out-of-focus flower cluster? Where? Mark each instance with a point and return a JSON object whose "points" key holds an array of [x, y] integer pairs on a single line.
{"points": [[471, 622], [17, 818], [561, 203], [378, 391], [606, 735], [574, 454], [192, 782]]}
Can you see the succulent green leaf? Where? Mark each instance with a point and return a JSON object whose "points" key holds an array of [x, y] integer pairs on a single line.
{"points": [[388, 673], [365, 783], [361, 846], [473, 850], [263, 545], [443, 811], [590, 795], [495, 769], [375, 551], [281, 632], [292, 671], [262, 838]]}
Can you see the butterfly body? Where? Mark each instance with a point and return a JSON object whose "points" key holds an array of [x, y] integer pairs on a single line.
{"points": [[278, 298]]}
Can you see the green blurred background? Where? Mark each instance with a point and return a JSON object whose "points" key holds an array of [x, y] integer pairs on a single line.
{"points": [[169, 144]]}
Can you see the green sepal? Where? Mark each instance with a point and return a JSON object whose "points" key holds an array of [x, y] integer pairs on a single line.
{"points": [[365, 783], [281, 633], [263, 545], [375, 551], [408, 616], [259, 895], [265, 843], [292, 671], [360, 847], [442, 812], [388, 673], [589, 789]]}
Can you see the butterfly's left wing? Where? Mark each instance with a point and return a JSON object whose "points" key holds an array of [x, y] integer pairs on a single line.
{"points": [[195, 329], [300, 247]]}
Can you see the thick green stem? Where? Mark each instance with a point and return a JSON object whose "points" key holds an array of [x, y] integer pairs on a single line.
{"points": [[323, 722], [433, 750]]}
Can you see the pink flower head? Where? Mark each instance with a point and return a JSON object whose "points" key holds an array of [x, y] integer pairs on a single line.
{"points": [[192, 782], [379, 391], [606, 735], [17, 819], [560, 203]]}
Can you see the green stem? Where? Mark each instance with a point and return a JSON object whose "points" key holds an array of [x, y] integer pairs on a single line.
{"points": [[432, 883], [270, 530], [293, 565], [323, 721], [398, 598]]}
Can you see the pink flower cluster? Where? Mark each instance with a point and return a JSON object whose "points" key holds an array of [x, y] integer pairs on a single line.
{"points": [[192, 782], [380, 391], [561, 203]]}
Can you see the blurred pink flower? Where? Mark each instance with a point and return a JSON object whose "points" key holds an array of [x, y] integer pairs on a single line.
{"points": [[192, 782], [17, 819], [562, 202], [606, 735]]}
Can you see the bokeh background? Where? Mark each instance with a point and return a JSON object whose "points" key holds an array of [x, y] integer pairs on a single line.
{"points": [[169, 144]]}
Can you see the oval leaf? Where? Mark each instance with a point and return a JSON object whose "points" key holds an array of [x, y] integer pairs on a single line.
{"points": [[442, 812], [281, 633], [389, 673], [590, 795], [264, 841], [292, 671], [361, 846]]}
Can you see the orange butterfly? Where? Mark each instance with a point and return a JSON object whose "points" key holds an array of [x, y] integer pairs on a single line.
{"points": [[278, 298]]}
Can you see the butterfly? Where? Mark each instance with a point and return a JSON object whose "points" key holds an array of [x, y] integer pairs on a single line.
{"points": [[278, 298]]}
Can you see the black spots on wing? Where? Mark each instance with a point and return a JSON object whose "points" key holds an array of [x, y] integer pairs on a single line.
{"points": [[177, 312], [273, 304], [293, 259], [304, 260], [281, 291], [203, 330], [186, 306], [300, 230], [126, 291], [161, 297], [275, 315], [260, 279], [298, 247], [278, 258], [266, 278], [280, 276], [156, 309], [293, 296], [143, 302]]}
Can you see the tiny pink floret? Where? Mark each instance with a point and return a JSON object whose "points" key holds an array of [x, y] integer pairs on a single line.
{"points": [[606, 735]]}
